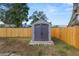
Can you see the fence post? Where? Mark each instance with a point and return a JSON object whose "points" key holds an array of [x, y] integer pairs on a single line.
{"points": [[74, 36]]}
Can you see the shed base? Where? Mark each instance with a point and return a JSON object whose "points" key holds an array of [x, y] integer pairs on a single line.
{"points": [[41, 42]]}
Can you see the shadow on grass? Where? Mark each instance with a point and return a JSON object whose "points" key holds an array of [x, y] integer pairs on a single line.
{"points": [[60, 43]]}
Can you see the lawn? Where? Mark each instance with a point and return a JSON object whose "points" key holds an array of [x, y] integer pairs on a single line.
{"points": [[21, 47]]}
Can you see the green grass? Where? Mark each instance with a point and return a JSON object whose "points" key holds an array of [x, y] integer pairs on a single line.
{"points": [[20, 46]]}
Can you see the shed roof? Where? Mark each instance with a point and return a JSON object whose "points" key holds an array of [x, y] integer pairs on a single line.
{"points": [[41, 22]]}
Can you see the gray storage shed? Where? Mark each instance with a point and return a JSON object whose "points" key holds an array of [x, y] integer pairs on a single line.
{"points": [[41, 32]]}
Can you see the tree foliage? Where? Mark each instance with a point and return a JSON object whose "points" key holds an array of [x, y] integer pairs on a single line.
{"points": [[2, 12], [16, 13], [37, 15]]}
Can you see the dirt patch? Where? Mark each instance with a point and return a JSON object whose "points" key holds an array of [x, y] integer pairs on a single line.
{"points": [[21, 47]]}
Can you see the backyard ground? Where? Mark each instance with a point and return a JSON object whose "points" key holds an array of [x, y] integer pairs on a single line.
{"points": [[21, 47]]}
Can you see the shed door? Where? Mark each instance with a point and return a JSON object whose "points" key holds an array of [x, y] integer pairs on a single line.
{"points": [[41, 32]]}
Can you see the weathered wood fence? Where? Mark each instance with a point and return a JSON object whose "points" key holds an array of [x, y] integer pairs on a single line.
{"points": [[15, 32], [69, 35]]}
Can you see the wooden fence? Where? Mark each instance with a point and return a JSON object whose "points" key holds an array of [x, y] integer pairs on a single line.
{"points": [[15, 32], [69, 35]]}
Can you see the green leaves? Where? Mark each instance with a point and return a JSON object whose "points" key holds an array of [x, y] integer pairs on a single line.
{"points": [[16, 13], [37, 15]]}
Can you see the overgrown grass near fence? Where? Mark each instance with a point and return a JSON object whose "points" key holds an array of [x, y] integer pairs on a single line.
{"points": [[69, 35]]}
